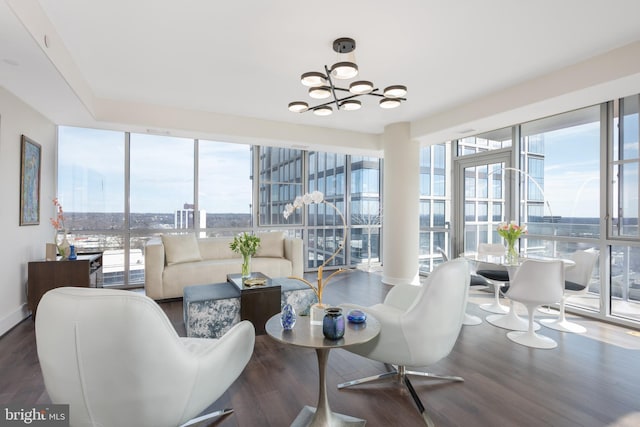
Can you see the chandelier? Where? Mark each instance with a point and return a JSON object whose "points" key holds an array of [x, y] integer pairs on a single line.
{"points": [[322, 86]]}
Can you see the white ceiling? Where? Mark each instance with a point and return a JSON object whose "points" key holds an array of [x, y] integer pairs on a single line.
{"points": [[244, 58]]}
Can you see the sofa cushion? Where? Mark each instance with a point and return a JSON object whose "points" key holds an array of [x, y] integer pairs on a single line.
{"points": [[271, 245], [216, 248], [181, 248]]}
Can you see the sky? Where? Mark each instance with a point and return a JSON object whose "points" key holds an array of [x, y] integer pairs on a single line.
{"points": [[91, 172]]}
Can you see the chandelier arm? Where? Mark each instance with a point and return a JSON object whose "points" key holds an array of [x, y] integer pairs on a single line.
{"points": [[333, 88], [331, 102]]}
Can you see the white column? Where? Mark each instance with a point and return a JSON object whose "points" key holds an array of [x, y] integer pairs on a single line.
{"points": [[401, 209]]}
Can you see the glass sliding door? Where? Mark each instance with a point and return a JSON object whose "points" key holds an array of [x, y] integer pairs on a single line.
{"points": [[483, 201], [624, 297]]}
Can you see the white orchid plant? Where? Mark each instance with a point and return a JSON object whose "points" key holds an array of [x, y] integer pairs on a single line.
{"points": [[308, 199]]}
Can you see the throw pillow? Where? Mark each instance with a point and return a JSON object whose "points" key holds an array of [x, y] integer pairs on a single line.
{"points": [[181, 248], [271, 245]]}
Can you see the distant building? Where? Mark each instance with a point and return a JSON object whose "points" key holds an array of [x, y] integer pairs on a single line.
{"points": [[185, 218]]}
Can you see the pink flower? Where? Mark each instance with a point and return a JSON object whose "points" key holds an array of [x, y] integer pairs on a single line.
{"points": [[58, 221]]}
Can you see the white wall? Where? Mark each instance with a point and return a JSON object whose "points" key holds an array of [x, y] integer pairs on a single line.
{"points": [[20, 245]]}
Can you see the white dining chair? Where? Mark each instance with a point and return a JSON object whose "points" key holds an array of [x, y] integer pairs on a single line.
{"points": [[536, 283], [496, 275], [576, 282]]}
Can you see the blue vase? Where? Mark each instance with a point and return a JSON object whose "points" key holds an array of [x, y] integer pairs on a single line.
{"points": [[333, 323], [288, 317], [72, 253]]}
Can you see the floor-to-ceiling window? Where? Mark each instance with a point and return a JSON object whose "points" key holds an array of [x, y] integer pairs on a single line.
{"points": [[224, 188], [91, 190], [555, 187], [365, 211], [560, 187], [350, 183], [119, 190], [435, 203]]}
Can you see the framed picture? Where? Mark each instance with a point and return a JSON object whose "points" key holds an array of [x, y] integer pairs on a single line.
{"points": [[30, 162]]}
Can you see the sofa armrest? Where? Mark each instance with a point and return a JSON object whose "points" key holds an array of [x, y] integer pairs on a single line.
{"points": [[153, 268], [293, 252]]}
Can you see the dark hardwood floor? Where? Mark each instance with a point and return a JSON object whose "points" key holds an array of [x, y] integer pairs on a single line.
{"points": [[589, 380]]}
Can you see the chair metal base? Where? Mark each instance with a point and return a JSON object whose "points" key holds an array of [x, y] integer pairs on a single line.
{"points": [[305, 417], [402, 375], [213, 414], [511, 320], [531, 339], [495, 306], [471, 320], [564, 326]]}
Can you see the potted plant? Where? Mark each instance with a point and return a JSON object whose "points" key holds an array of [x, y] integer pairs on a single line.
{"points": [[245, 244]]}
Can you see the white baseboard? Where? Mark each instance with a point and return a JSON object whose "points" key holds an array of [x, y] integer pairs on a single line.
{"points": [[13, 318]]}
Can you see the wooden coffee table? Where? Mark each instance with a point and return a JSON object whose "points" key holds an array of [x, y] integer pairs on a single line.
{"points": [[257, 303]]}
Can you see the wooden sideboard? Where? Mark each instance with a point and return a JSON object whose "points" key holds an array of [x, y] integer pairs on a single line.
{"points": [[86, 271]]}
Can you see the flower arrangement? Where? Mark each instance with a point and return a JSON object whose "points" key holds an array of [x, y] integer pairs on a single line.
{"points": [[308, 199], [58, 225], [58, 221], [245, 244], [511, 232]]}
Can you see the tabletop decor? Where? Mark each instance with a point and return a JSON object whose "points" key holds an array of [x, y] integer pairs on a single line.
{"points": [[288, 317], [356, 316], [317, 310], [245, 244], [64, 248], [511, 232], [333, 323]]}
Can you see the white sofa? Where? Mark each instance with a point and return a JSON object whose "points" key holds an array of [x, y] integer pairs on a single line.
{"points": [[175, 261]]}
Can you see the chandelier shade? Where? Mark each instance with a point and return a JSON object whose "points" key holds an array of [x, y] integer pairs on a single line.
{"points": [[360, 87], [388, 103], [323, 111], [313, 79], [396, 91], [351, 105], [344, 70], [320, 92], [322, 86], [298, 107]]}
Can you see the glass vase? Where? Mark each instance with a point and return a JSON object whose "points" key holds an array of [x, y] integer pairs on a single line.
{"points": [[64, 247], [333, 323], [512, 253], [246, 266]]}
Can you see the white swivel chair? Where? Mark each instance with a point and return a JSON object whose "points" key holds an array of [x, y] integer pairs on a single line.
{"points": [[419, 325], [474, 280], [536, 283], [496, 275], [576, 282], [116, 359]]}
